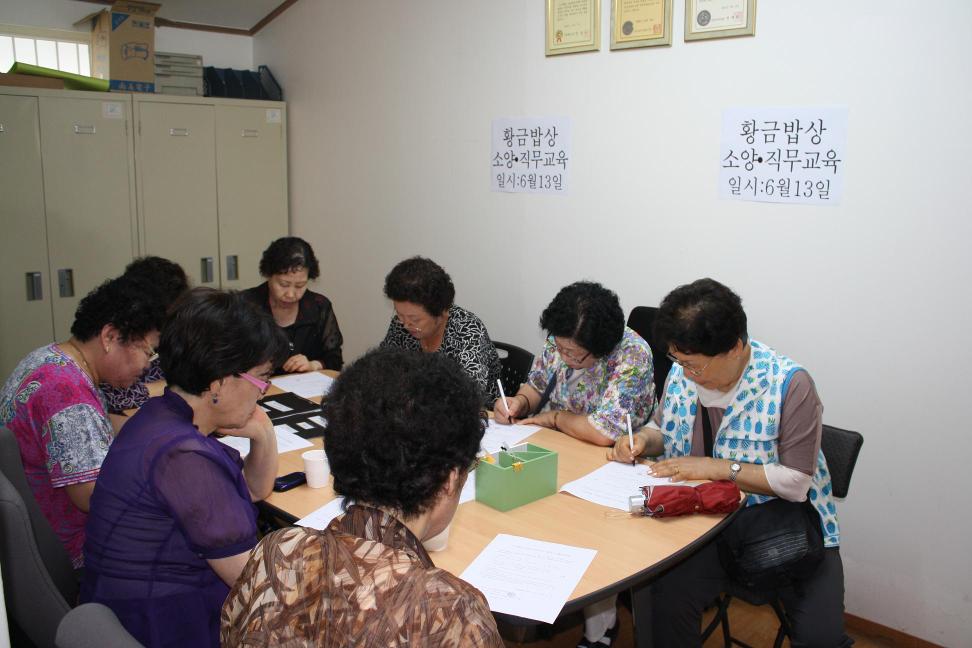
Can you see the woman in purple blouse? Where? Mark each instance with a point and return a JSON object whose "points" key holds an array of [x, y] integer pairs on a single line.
{"points": [[172, 519]]}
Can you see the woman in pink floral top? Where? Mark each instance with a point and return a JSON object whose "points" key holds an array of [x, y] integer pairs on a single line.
{"points": [[54, 408]]}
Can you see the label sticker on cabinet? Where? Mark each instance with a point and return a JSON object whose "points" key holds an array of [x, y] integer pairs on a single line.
{"points": [[273, 115], [112, 110]]}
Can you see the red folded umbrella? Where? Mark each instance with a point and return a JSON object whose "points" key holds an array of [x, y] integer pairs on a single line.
{"points": [[712, 497]]}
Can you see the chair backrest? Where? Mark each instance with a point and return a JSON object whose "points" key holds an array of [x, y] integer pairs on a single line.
{"points": [[840, 447], [642, 320], [93, 625], [516, 363], [38, 578]]}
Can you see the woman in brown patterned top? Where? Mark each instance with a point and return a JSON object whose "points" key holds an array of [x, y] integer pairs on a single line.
{"points": [[403, 430]]}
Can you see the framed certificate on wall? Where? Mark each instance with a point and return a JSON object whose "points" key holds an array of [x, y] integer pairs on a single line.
{"points": [[719, 19], [640, 23], [573, 26]]}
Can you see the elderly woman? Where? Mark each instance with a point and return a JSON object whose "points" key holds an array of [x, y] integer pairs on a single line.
{"points": [[592, 372], [737, 409], [427, 320], [402, 458], [163, 281], [172, 518], [305, 316], [52, 404]]}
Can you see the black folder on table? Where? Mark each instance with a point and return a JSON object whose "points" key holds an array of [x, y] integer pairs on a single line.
{"points": [[303, 415]]}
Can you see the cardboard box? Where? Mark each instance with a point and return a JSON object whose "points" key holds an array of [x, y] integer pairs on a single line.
{"points": [[524, 473], [123, 45], [31, 81]]}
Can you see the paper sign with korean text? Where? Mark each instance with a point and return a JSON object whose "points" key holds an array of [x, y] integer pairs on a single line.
{"points": [[530, 155]]}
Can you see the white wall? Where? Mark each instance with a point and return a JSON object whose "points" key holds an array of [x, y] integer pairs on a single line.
{"points": [[220, 50], [390, 106]]}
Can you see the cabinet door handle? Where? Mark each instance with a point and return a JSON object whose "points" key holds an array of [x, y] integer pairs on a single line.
{"points": [[179, 132], [232, 267], [1, 127], [206, 269], [250, 132], [35, 289], [65, 282], [84, 129]]}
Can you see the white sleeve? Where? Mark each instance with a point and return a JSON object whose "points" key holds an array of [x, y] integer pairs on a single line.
{"points": [[792, 485]]}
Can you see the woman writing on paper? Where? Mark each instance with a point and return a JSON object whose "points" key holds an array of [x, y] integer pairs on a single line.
{"points": [[305, 316], [52, 404], [764, 427], [592, 373], [172, 518], [402, 458], [426, 319]]}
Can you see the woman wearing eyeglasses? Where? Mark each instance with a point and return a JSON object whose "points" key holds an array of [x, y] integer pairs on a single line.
{"points": [[172, 518], [52, 404], [736, 409], [593, 371], [426, 319]]}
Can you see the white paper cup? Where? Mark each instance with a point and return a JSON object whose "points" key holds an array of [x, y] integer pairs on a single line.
{"points": [[438, 542], [316, 468]]}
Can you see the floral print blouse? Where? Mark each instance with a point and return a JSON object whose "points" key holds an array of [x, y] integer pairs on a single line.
{"points": [[619, 383]]}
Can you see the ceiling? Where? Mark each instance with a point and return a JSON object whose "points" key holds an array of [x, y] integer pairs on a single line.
{"points": [[235, 15]]}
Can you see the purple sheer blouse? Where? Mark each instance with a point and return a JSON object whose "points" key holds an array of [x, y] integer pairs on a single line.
{"points": [[167, 499]]}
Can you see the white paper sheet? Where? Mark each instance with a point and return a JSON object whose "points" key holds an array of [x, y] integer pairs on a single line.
{"points": [[320, 518], [308, 385], [320, 420], [468, 492], [613, 483], [528, 578], [498, 435], [287, 440]]}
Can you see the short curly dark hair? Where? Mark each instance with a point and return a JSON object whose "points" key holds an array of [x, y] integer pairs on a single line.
{"points": [[421, 281], [122, 302], [589, 314], [703, 317], [165, 278], [289, 254], [398, 422], [211, 334]]}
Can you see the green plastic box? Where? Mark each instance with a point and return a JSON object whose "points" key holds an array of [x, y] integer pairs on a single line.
{"points": [[517, 476]]}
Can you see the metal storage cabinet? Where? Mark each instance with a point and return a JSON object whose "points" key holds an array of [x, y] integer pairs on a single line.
{"points": [[212, 184], [68, 205], [177, 186], [25, 288], [251, 156], [89, 192]]}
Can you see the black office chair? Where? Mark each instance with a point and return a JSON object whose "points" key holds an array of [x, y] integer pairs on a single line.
{"points": [[93, 625], [841, 448], [642, 321], [38, 578], [516, 363]]}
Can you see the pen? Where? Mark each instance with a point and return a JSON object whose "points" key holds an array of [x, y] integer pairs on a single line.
{"points": [[627, 418], [506, 403]]}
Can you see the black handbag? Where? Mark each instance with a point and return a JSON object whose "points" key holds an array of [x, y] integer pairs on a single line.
{"points": [[770, 545]]}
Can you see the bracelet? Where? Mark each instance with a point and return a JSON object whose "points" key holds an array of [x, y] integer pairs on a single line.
{"points": [[556, 424]]}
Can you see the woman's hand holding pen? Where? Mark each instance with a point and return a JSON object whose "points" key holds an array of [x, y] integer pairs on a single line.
{"points": [[625, 453], [517, 409]]}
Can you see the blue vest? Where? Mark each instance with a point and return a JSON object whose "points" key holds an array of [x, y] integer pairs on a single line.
{"points": [[749, 431]]}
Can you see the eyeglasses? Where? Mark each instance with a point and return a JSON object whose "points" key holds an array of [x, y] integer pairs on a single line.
{"points": [[691, 370], [568, 355], [262, 385], [149, 352]]}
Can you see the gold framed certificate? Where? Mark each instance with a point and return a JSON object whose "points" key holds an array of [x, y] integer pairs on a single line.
{"points": [[719, 19], [640, 23], [573, 26]]}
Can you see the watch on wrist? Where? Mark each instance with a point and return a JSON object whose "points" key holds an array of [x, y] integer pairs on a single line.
{"points": [[734, 469]]}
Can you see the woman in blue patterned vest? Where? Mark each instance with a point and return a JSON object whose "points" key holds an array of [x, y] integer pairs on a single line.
{"points": [[764, 434]]}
